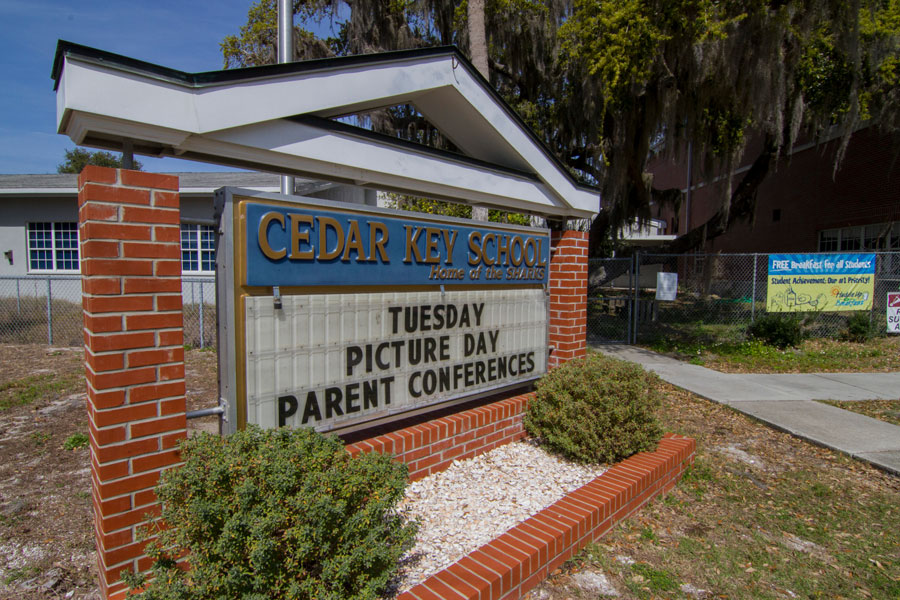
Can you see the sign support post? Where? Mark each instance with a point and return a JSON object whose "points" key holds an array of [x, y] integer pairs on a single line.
{"points": [[134, 354]]}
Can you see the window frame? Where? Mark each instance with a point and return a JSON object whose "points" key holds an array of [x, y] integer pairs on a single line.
{"points": [[58, 244], [196, 232]]}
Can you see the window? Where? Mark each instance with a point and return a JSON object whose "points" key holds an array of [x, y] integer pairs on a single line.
{"points": [[851, 238], [876, 237], [53, 246], [828, 240], [198, 248]]}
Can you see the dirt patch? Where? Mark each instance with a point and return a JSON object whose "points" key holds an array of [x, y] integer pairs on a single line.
{"points": [[46, 538], [760, 515]]}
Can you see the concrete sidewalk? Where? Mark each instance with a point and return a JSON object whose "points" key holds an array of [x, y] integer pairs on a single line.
{"points": [[787, 402]]}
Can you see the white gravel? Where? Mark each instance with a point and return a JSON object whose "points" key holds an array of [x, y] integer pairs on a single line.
{"points": [[477, 500]]}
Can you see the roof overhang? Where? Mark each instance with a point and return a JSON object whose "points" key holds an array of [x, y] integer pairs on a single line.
{"points": [[277, 118]]}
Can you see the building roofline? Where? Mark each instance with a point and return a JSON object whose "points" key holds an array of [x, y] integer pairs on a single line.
{"points": [[214, 78]]}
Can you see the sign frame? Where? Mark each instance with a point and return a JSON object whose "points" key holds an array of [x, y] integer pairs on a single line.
{"points": [[827, 282], [231, 273], [892, 304]]}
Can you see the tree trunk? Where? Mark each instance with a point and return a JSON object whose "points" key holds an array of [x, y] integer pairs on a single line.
{"points": [[477, 38]]}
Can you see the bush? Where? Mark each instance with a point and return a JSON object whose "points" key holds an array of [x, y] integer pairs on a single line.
{"points": [[596, 409], [779, 330], [277, 514], [860, 327]]}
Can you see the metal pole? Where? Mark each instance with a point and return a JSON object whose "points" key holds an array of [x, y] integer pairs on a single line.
{"points": [[286, 55], [690, 184], [18, 299], [629, 304], [753, 293], [202, 305], [127, 154], [49, 313], [193, 298], [637, 301]]}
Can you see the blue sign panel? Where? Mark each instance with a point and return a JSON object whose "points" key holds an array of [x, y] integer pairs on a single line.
{"points": [[821, 264], [300, 246]]}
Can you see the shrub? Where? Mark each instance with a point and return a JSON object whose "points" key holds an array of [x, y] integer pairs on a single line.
{"points": [[775, 329], [276, 514], [860, 327], [596, 409]]}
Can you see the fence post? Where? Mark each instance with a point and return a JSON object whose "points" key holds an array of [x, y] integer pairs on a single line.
{"points": [[18, 298], [628, 304], [753, 293], [637, 284], [202, 340], [49, 313]]}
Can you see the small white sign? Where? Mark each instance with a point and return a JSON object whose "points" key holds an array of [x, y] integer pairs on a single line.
{"points": [[666, 286], [893, 312]]}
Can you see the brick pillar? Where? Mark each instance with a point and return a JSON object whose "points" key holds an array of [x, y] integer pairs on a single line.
{"points": [[568, 296], [133, 349]]}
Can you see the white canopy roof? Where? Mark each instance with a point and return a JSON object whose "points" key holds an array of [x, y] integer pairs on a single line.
{"points": [[278, 118]]}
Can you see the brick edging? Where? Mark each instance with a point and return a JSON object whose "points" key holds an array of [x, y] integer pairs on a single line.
{"points": [[512, 564], [432, 446]]}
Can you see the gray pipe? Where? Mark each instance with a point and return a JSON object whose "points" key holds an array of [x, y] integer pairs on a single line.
{"points": [[286, 55]]}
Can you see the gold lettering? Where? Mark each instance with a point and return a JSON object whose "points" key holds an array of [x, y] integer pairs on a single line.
{"points": [[264, 235], [540, 253], [449, 242], [297, 236], [484, 243], [474, 248], [377, 244], [530, 258], [512, 250], [432, 235], [323, 223], [412, 243], [354, 242], [503, 249]]}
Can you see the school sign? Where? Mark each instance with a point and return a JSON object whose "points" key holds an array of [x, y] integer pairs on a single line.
{"points": [[346, 315]]}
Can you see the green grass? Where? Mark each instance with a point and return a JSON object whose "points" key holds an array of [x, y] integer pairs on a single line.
{"points": [[799, 522], [75, 441], [647, 581], [39, 437], [28, 389], [820, 355], [13, 575]]}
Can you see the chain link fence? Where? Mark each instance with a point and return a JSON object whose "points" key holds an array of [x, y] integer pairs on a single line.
{"points": [[46, 309], [718, 296], [41, 309]]}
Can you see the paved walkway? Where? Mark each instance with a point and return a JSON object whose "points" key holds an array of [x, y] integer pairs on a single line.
{"points": [[787, 402]]}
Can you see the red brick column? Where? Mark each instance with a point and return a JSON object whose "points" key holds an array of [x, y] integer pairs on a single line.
{"points": [[134, 357], [568, 296]]}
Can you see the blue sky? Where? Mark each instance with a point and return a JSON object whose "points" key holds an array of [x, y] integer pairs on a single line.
{"points": [[182, 35]]}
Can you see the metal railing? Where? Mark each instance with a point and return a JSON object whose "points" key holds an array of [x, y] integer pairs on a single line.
{"points": [[46, 309], [718, 297]]}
